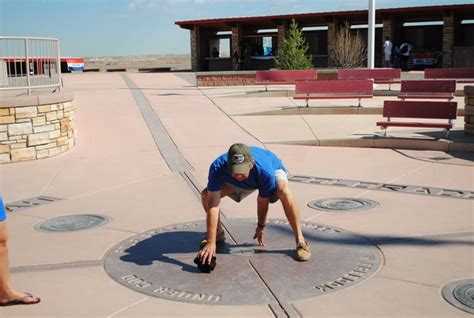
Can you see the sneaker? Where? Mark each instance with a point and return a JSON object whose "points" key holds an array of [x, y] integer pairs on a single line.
{"points": [[303, 252]]}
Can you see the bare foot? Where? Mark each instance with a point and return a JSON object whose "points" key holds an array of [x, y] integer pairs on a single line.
{"points": [[19, 299]]}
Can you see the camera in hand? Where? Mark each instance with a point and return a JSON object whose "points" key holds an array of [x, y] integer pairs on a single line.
{"points": [[205, 268]]}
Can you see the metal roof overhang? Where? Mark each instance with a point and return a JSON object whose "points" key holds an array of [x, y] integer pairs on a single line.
{"points": [[407, 14]]}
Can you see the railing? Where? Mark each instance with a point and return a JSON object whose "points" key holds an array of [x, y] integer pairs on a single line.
{"points": [[28, 63]]}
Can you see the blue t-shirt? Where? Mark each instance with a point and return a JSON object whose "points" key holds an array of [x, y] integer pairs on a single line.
{"points": [[261, 177], [3, 213]]}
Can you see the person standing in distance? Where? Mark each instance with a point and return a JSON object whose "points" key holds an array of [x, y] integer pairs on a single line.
{"points": [[238, 173], [387, 49], [405, 51]]}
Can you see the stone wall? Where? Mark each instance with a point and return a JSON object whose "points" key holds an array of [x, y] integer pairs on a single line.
{"points": [[469, 110], [225, 78], [242, 78], [36, 131]]}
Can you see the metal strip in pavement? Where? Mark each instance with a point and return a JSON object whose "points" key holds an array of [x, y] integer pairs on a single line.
{"points": [[54, 267], [29, 203], [279, 307], [397, 188], [173, 158]]}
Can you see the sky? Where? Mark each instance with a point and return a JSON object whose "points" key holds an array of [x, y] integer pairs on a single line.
{"points": [[90, 28]]}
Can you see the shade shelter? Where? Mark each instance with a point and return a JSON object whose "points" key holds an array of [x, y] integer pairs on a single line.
{"points": [[442, 36]]}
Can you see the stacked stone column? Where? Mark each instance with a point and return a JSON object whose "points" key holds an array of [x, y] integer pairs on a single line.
{"points": [[195, 49], [282, 33], [332, 34], [236, 38], [448, 40], [469, 110], [36, 132]]}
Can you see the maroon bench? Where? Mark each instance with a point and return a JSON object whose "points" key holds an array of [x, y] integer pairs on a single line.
{"points": [[418, 110], [426, 89], [284, 76], [462, 75], [379, 75], [334, 89]]}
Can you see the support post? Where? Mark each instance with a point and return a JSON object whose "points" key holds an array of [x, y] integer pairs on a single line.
{"points": [[371, 33], [58, 64], [27, 65]]}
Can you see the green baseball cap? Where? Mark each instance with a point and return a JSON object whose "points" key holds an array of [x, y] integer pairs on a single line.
{"points": [[239, 158]]}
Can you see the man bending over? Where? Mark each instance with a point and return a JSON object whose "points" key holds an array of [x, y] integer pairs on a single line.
{"points": [[238, 173]]}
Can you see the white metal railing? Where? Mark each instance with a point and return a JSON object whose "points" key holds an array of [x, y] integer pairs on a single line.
{"points": [[28, 63]]}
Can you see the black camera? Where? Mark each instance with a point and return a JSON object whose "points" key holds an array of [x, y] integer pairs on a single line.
{"points": [[205, 268]]}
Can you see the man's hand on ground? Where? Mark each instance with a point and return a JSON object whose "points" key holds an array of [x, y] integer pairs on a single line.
{"points": [[207, 252], [259, 236]]}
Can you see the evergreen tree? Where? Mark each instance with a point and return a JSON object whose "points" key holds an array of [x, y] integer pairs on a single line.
{"points": [[292, 55]]}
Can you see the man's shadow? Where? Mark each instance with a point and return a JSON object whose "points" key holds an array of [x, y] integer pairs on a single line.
{"points": [[167, 247]]}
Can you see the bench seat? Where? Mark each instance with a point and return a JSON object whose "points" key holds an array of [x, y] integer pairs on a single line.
{"points": [[413, 110], [331, 96], [378, 75], [459, 81], [444, 112], [333, 89], [461, 75], [274, 82], [427, 89], [414, 124], [387, 81], [426, 96]]}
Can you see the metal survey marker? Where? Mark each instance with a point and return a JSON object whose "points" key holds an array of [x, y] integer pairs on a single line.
{"points": [[70, 223], [159, 263], [342, 204], [460, 294]]}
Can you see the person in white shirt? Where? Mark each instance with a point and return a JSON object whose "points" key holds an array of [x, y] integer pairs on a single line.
{"points": [[387, 48]]}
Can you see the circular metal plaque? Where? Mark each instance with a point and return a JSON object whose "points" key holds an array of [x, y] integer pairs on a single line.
{"points": [[460, 294], [70, 223], [160, 263], [342, 204]]}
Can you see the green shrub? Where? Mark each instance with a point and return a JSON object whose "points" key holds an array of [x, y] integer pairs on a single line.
{"points": [[293, 54]]}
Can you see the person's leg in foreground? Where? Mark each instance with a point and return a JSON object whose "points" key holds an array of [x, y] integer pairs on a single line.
{"points": [[8, 295]]}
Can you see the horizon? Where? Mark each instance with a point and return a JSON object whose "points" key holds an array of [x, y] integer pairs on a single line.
{"points": [[132, 55], [127, 28]]}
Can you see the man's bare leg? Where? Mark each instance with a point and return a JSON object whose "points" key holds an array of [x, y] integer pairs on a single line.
{"points": [[303, 251], [291, 209], [7, 293]]}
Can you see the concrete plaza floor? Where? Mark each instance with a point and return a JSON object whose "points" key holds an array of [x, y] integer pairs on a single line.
{"points": [[118, 169]]}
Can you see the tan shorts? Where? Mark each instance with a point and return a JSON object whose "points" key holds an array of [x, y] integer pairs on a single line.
{"points": [[240, 194]]}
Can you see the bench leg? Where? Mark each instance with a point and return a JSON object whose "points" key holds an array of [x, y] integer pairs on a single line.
{"points": [[389, 86], [307, 103], [447, 133], [359, 103], [266, 88]]}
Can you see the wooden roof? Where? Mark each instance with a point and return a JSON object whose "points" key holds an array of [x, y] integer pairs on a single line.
{"points": [[407, 14]]}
